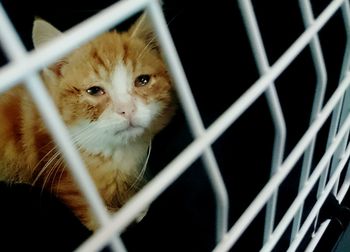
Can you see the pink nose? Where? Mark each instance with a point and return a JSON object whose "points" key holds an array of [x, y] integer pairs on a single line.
{"points": [[126, 109]]}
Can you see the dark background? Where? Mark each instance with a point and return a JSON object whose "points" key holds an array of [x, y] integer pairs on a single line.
{"points": [[213, 47]]}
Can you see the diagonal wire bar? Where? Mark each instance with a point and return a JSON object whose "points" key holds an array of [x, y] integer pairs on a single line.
{"points": [[273, 102]]}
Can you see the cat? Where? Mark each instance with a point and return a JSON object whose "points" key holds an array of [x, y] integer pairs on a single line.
{"points": [[114, 94]]}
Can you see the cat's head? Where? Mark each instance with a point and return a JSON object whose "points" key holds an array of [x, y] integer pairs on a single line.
{"points": [[111, 91]]}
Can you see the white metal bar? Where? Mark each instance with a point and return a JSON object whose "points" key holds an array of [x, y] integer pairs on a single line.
{"points": [[192, 114], [340, 150], [316, 237], [320, 201], [320, 68], [9, 39], [273, 101], [345, 10], [282, 226], [12, 73], [345, 186]]}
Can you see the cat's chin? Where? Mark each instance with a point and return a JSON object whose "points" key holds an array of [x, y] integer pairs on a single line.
{"points": [[128, 134]]}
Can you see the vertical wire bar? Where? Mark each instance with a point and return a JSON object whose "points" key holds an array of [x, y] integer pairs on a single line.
{"points": [[321, 83], [345, 10], [338, 155], [345, 186], [192, 114], [273, 102], [15, 50], [345, 67]]}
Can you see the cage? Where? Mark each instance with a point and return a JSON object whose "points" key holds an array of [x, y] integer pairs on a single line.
{"points": [[256, 157]]}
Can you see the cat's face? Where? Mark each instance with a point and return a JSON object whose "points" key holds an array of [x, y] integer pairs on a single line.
{"points": [[112, 91]]}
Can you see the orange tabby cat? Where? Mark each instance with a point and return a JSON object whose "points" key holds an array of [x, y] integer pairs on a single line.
{"points": [[114, 94]]}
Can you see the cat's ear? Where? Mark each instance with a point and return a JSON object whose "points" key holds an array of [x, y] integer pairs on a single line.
{"points": [[143, 29], [44, 32]]}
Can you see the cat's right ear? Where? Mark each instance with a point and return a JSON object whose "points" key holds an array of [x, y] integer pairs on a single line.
{"points": [[143, 30], [44, 32]]}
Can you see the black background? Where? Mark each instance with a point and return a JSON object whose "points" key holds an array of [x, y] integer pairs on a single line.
{"points": [[213, 47]]}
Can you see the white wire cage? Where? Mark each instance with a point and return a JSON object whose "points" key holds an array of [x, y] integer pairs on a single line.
{"points": [[328, 173]]}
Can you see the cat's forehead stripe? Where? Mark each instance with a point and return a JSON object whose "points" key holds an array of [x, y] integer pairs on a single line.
{"points": [[121, 80], [95, 55]]}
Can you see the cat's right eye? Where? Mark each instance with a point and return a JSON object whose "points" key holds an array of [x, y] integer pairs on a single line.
{"points": [[95, 91]]}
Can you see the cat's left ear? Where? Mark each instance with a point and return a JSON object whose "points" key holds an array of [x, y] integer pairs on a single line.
{"points": [[143, 30]]}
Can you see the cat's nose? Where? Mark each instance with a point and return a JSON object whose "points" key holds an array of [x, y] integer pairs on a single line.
{"points": [[126, 109]]}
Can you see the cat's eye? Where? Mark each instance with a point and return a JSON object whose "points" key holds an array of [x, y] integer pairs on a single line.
{"points": [[142, 80], [95, 91]]}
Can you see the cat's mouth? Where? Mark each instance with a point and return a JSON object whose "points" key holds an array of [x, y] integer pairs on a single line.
{"points": [[131, 129]]}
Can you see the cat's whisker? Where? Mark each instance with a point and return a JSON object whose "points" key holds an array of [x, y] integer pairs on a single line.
{"points": [[57, 167], [73, 137], [49, 167], [84, 139], [46, 164], [146, 47], [46, 170], [143, 170], [59, 181]]}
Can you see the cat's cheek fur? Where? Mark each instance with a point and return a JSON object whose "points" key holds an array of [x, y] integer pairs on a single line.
{"points": [[146, 113], [100, 137]]}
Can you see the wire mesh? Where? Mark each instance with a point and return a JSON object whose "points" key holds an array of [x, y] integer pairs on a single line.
{"points": [[23, 67]]}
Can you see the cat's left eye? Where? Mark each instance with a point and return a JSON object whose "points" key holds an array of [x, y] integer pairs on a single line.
{"points": [[142, 80], [95, 91]]}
